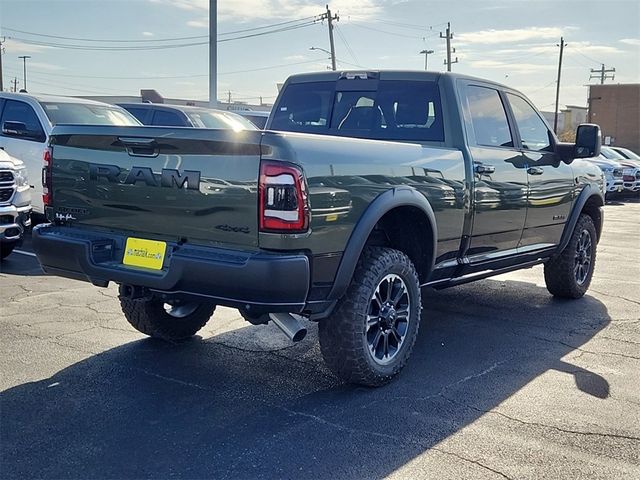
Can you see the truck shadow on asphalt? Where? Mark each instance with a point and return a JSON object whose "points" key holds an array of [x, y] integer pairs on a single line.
{"points": [[209, 408]]}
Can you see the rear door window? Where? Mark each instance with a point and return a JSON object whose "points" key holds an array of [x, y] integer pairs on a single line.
{"points": [[488, 117], [15, 111], [396, 110]]}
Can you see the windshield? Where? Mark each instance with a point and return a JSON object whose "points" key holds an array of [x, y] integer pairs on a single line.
{"points": [[611, 154], [223, 120], [384, 110], [87, 114]]}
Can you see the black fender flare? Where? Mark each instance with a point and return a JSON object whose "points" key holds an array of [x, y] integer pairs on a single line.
{"points": [[589, 191], [387, 201]]}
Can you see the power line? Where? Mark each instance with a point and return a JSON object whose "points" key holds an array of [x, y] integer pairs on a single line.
{"points": [[106, 40], [384, 31], [152, 40], [579, 52], [346, 44], [70, 46], [412, 26], [268, 68]]}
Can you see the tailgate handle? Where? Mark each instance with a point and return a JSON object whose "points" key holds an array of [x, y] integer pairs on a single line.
{"points": [[140, 147]]}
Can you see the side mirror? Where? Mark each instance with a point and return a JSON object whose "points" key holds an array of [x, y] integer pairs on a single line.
{"points": [[588, 141], [19, 129]]}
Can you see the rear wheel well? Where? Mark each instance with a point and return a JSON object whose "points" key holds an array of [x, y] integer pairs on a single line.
{"points": [[592, 208], [409, 230]]}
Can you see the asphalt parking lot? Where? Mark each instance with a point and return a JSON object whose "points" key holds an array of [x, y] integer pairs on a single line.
{"points": [[504, 382]]}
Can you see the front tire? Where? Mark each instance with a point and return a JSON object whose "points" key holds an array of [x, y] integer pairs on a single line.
{"points": [[569, 274], [172, 321], [370, 335]]}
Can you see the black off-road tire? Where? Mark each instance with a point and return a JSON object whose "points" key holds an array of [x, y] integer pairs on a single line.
{"points": [[5, 250], [149, 316], [559, 273], [343, 338]]}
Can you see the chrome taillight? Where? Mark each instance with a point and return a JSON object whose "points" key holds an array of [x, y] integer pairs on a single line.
{"points": [[47, 189], [284, 201]]}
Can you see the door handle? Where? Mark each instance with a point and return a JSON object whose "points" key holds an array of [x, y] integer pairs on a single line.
{"points": [[140, 147], [484, 169], [535, 170]]}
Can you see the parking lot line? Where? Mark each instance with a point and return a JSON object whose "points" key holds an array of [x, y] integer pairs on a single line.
{"points": [[22, 252]]}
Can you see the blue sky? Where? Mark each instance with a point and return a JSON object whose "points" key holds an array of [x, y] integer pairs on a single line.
{"points": [[513, 42]]}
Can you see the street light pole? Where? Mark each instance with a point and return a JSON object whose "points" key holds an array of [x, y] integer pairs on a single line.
{"points": [[213, 53], [24, 70], [326, 51], [426, 54]]}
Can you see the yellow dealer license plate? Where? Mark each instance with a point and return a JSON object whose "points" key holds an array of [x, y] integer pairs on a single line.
{"points": [[144, 253]]}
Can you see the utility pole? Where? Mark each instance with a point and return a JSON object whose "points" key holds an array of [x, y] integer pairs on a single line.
{"points": [[15, 84], [213, 53], [24, 70], [555, 117], [426, 55], [229, 97], [1, 75], [450, 50], [602, 74], [330, 18]]}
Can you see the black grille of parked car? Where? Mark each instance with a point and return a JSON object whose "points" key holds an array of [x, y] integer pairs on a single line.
{"points": [[5, 194], [617, 172], [638, 175], [6, 176]]}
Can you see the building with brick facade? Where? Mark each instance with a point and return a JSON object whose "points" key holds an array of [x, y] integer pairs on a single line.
{"points": [[616, 108]]}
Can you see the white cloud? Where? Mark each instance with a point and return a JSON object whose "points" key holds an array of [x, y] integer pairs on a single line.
{"points": [[295, 58], [202, 23], [16, 46], [45, 66], [248, 10], [489, 37], [631, 41], [588, 47], [511, 67], [147, 34]]}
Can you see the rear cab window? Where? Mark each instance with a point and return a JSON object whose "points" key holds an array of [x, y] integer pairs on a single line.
{"points": [[376, 109], [87, 114]]}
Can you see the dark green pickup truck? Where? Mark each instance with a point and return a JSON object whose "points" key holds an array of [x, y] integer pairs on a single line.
{"points": [[365, 187]]}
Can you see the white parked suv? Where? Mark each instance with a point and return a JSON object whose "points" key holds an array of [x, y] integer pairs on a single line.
{"points": [[26, 122], [15, 203]]}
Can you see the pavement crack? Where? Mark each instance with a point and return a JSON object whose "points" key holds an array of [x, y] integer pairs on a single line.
{"points": [[616, 296], [542, 425], [386, 436], [470, 460]]}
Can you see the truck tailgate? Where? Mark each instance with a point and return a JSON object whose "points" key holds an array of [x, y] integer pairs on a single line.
{"points": [[177, 184]]}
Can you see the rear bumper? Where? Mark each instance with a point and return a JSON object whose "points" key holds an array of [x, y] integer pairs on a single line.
{"points": [[262, 282]]}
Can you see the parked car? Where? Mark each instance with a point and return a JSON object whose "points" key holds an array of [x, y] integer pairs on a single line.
{"points": [[27, 121], [613, 174], [186, 116], [277, 239], [631, 168], [258, 118], [15, 203], [626, 153]]}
